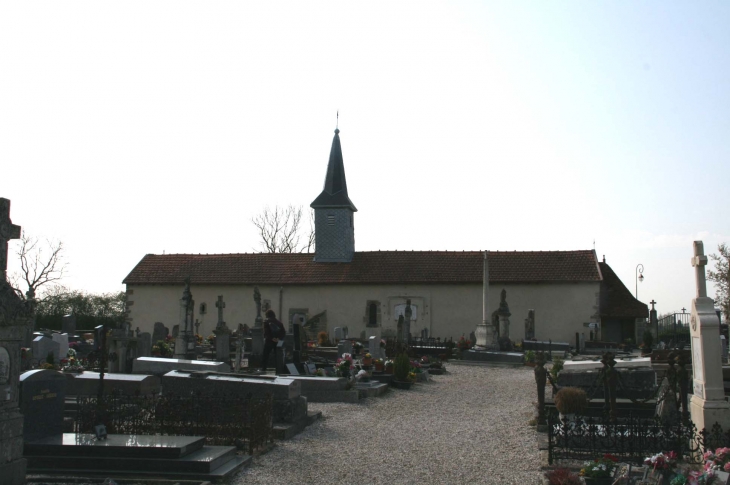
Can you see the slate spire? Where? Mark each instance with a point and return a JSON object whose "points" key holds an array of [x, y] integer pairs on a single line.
{"points": [[334, 194]]}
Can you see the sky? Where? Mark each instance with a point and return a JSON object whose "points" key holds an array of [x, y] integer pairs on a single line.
{"points": [[141, 127]]}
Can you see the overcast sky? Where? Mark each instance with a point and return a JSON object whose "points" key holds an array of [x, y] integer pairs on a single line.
{"points": [[130, 128]]}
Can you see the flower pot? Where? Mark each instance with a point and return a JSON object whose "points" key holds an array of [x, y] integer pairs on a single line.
{"points": [[388, 369], [379, 367], [401, 384], [367, 361]]}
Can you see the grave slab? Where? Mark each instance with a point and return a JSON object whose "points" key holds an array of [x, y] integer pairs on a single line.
{"points": [[633, 363], [160, 366], [42, 396], [87, 383], [494, 357]]}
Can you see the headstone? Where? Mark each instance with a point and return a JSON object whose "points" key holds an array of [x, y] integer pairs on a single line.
{"points": [[374, 347], [407, 322], [99, 336], [666, 408], [723, 342], [15, 318], [144, 344], [530, 325], [42, 396], [344, 347], [472, 338], [62, 339], [339, 334], [68, 323], [292, 368], [175, 331], [708, 405], [160, 332], [222, 334], [504, 315], [42, 346], [582, 342]]}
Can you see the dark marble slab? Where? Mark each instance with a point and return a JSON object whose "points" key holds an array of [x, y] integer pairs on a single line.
{"points": [[115, 446]]}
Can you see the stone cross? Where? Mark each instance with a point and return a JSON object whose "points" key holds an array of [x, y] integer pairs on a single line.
{"points": [[8, 231], [220, 305], [652, 303], [259, 322], [699, 261]]}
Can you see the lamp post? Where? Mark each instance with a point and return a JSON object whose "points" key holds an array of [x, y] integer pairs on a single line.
{"points": [[639, 277]]}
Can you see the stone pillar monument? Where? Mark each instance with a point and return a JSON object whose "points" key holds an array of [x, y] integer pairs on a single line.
{"points": [[708, 405], [222, 334], [485, 334], [257, 332], [185, 342], [15, 317]]}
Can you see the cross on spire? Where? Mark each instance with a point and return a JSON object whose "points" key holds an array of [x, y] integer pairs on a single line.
{"points": [[8, 231], [699, 261]]}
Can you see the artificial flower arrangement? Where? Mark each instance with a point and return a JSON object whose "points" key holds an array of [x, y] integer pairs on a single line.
{"points": [[662, 461], [344, 364], [162, 349], [198, 339], [411, 376], [319, 373], [463, 344], [600, 468], [388, 365], [357, 346]]}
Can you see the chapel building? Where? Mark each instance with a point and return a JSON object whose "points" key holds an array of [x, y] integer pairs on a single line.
{"points": [[366, 291]]}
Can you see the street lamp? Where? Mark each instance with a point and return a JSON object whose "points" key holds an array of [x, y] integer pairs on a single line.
{"points": [[639, 277]]}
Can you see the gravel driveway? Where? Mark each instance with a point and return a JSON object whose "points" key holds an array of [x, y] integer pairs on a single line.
{"points": [[467, 426]]}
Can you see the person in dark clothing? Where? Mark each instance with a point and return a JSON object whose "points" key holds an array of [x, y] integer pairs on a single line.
{"points": [[273, 332]]}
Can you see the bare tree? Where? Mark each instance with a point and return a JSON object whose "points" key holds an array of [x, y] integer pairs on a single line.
{"points": [[40, 264], [280, 230], [721, 277]]}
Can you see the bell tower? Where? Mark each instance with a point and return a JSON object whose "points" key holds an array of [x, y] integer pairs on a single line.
{"points": [[334, 213]]}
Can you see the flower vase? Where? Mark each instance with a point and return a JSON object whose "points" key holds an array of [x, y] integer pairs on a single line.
{"points": [[367, 361], [378, 367]]}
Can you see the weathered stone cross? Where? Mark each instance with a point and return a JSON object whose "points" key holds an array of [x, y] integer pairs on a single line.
{"points": [[652, 303], [220, 305], [8, 231], [699, 261]]}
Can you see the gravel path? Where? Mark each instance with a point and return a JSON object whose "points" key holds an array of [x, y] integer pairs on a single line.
{"points": [[465, 427]]}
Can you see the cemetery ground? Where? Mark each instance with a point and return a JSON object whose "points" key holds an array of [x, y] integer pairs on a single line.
{"points": [[467, 426]]}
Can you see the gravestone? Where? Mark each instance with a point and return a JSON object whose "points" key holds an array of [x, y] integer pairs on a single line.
{"points": [[723, 342], [344, 347], [144, 344], [708, 405], [159, 366], [62, 340], [87, 384], [222, 334], [175, 331], [68, 323], [407, 322], [374, 347], [530, 325], [42, 396], [504, 314], [15, 318], [159, 332], [42, 346], [185, 339], [339, 334]]}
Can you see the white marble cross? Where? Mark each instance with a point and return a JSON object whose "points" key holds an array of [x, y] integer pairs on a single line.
{"points": [[8, 231], [699, 261]]}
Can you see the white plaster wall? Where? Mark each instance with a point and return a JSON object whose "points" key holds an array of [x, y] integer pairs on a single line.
{"points": [[446, 310]]}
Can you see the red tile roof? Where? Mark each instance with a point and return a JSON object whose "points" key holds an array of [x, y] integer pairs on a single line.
{"points": [[376, 267], [616, 300]]}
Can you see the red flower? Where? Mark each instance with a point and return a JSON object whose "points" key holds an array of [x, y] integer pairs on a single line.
{"points": [[608, 456]]}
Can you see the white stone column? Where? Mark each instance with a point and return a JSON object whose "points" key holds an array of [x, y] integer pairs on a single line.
{"points": [[708, 405], [485, 330]]}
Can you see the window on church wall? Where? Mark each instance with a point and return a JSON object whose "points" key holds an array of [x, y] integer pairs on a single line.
{"points": [[372, 314], [203, 308]]}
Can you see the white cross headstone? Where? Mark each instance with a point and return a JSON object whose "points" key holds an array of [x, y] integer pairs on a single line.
{"points": [[708, 405]]}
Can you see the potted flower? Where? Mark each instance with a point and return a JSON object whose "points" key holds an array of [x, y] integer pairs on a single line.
{"points": [[367, 359], [378, 363], [530, 358], [662, 464], [402, 369], [356, 347], [562, 476], [388, 366], [344, 365], [570, 401], [600, 471]]}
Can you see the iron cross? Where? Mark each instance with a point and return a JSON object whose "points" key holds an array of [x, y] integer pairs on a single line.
{"points": [[8, 231]]}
